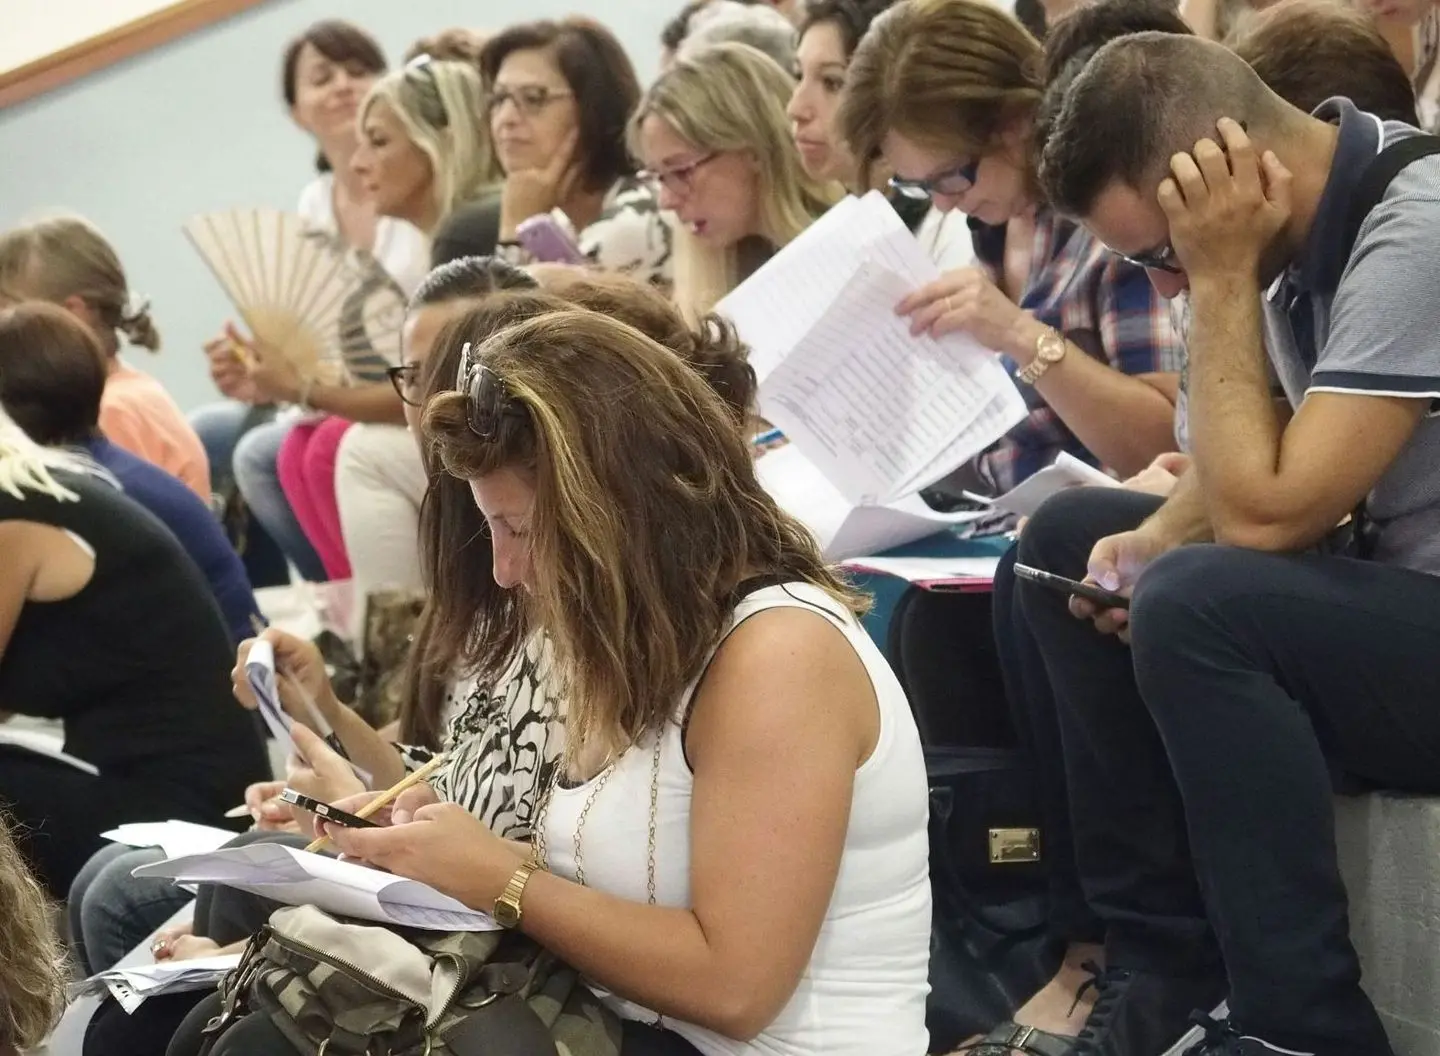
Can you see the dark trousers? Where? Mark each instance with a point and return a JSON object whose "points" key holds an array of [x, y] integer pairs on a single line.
{"points": [[59, 812], [1037, 728], [1199, 763]]}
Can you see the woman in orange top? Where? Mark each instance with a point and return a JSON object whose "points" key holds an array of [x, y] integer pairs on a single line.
{"points": [[66, 261]]}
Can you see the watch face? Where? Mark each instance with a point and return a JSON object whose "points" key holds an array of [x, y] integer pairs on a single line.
{"points": [[506, 914]]}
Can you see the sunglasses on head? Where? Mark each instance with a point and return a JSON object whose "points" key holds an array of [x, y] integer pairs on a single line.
{"points": [[954, 181], [488, 401]]}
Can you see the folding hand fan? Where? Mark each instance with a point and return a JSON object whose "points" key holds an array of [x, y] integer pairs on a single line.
{"points": [[329, 308]]}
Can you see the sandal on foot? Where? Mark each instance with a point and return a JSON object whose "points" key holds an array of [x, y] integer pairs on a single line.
{"points": [[1011, 1039]]}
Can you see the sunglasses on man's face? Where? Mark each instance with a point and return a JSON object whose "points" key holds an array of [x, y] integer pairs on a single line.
{"points": [[488, 401], [953, 182], [1161, 259]]}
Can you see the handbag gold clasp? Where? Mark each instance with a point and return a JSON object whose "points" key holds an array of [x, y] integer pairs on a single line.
{"points": [[1009, 846]]}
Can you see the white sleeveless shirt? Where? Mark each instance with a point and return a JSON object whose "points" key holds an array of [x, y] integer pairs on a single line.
{"points": [[863, 992]]}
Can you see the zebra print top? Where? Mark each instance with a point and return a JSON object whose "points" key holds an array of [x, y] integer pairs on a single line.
{"points": [[504, 743]]}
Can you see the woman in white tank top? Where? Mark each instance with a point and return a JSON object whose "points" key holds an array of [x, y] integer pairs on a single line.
{"points": [[737, 851]]}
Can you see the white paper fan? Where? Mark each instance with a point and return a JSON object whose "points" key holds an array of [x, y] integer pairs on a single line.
{"points": [[330, 309]]}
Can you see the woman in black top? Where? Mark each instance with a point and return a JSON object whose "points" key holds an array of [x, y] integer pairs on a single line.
{"points": [[106, 624]]}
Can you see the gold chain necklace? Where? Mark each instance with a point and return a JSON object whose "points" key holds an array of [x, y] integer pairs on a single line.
{"points": [[542, 816]]}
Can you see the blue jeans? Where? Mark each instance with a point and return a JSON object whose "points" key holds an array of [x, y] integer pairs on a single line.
{"points": [[254, 467], [112, 912]]}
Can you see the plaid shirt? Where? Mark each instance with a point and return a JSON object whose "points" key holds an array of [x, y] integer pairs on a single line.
{"points": [[1102, 304]]}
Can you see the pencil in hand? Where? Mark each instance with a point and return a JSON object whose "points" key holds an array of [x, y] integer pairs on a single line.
{"points": [[384, 799]]}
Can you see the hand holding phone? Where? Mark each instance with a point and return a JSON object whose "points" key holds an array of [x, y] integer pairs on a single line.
{"points": [[324, 810], [1089, 591]]}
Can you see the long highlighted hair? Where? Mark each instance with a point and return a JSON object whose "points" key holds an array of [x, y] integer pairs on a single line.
{"points": [[647, 516]]}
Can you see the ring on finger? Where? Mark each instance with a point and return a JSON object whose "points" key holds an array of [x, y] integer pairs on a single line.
{"points": [[948, 306]]}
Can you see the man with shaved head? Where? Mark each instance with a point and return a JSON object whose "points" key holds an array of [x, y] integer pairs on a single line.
{"points": [[1285, 599]]}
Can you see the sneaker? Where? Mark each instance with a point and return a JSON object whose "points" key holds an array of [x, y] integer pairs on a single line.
{"points": [[1222, 1039], [1139, 1014], [1197, 1033]]}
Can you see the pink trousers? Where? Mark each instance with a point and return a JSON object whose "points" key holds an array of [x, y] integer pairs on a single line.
{"points": [[306, 468]]}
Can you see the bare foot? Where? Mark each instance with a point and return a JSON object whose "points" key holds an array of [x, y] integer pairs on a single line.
{"points": [[1059, 1008]]}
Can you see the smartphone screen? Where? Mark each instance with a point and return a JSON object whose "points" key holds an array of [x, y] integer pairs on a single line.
{"points": [[545, 240], [325, 810], [1088, 591]]}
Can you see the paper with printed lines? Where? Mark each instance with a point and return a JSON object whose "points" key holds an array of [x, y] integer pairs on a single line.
{"points": [[880, 412]]}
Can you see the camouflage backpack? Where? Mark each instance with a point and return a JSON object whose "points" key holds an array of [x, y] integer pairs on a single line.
{"points": [[345, 989]]}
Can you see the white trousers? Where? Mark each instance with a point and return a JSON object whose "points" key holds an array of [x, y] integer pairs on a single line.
{"points": [[380, 482]]}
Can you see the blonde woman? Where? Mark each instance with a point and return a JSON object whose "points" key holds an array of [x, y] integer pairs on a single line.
{"points": [[65, 260], [325, 72], [423, 151], [112, 630], [33, 972], [714, 137]]}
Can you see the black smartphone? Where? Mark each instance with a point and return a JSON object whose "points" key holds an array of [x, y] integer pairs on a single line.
{"points": [[325, 810], [1088, 591]]}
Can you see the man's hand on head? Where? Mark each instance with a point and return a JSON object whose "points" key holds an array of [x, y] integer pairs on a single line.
{"points": [[1226, 204]]}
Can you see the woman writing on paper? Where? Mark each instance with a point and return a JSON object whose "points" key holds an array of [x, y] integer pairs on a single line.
{"points": [[725, 706], [503, 737], [714, 139], [324, 74], [106, 625]]}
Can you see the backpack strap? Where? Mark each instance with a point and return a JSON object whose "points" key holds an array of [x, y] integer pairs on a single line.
{"points": [[1377, 176]]}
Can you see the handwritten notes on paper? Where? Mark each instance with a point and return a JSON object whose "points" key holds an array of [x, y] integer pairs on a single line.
{"points": [[879, 412]]}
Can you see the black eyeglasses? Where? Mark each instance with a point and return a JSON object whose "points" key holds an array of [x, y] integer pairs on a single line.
{"points": [[529, 99], [1161, 259], [954, 181], [489, 402], [403, 379]]}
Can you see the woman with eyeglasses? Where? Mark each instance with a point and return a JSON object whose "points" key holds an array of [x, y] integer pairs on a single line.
{"points": [[354, 473], [558, 94], [1084, 333], [714, 138]]}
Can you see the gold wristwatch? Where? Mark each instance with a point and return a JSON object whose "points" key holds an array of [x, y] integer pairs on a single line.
{"points": [[507, 911], [1050, 348]]}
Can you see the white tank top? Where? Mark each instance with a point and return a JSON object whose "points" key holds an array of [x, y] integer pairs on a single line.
{"points": [[863, 992]]}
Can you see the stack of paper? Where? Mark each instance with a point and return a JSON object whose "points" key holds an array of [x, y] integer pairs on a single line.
{"points": [[881, 413], [299, 878], [131, 986], [842, 528]]}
